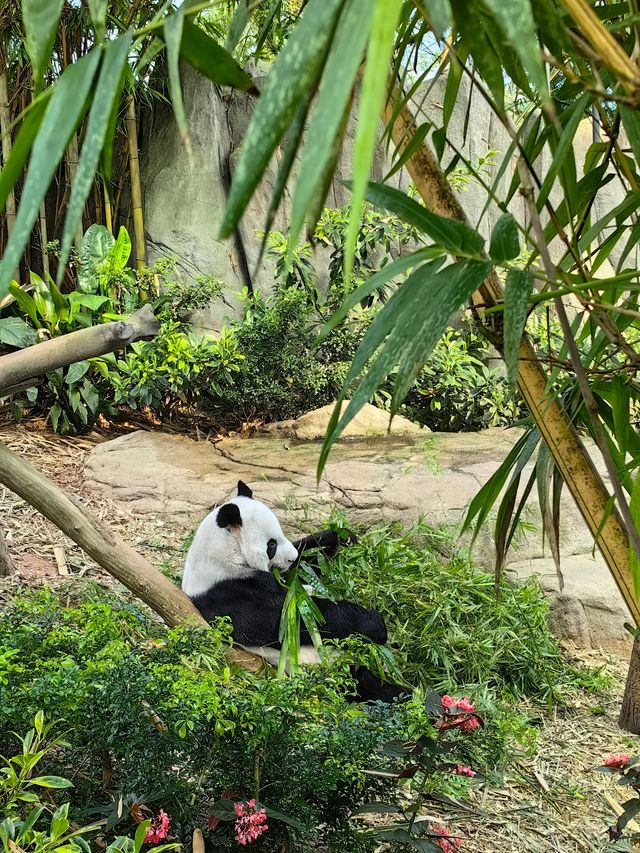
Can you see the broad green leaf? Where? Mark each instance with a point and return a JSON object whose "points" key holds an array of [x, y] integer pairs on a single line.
{"points": [[98, 12], [378, 808], [173, 27], [40, 19], [411, 321], [94, 248], [120, 251], [139, 837], [26, 303], [456, 237], [292, 75], [106, 94], [76, 371], [374, 84], [341, 67], [51, 782], [516, 300], [12, 169], [439, 12], [515, 19], [64, 111], [505, 244], [208, 57], [90, 300], [272, 813], [16, 333]]}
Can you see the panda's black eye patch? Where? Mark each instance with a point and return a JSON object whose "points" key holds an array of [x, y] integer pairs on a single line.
{"points": [[272, 547]]}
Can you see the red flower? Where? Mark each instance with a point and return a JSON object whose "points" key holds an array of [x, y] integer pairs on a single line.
{"points": [[470, 724], [251, 822], [446, 842], [158, 829], [465, 705], [448, 701], [464, 770], [617, 762]]}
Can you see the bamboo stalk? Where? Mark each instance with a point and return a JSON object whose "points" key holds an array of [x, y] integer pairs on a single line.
{"points": [[136, 189], [72, 168], [573, 461], [107, 209], [5, 123]]}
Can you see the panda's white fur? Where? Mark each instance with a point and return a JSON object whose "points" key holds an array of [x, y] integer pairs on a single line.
{"points": [[226, 553]]}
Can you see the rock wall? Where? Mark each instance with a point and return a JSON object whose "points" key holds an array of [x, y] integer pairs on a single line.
{"points": [[184, 200]]}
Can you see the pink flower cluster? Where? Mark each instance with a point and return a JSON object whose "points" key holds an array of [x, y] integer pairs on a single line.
{"points": [[464, 770], [617, 761], [467, 724], [447, 841], [158, 829], [251, 822]]}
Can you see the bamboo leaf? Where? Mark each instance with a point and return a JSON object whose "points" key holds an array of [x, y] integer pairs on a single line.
{"points": [[456, 237], [414, 143], [12, 169], [374, 82], [107, 92], [564, 148], [516, 300], [173, 27], [293, 75], [40, 19], [341, 67], [209, 58], [439, 12], [98, 12], [631, 124], [515, 19], [238, 25], [379, 278], [412, 322], [505, 244], [64, 111]]}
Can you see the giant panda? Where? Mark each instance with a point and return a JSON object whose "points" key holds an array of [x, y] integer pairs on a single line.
{"points": [[228, 572]]}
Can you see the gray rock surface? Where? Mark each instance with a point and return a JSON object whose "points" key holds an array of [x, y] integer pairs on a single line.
{"points": [[375, 480], [370, 422]]}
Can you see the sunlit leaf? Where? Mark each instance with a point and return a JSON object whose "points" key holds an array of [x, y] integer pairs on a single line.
{"points": [[439, 12], [98, 12], [515, 19], [12, 169], [209, 58]]}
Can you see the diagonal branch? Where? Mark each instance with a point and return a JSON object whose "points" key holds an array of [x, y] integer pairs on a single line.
{"points": [[22, 366]]}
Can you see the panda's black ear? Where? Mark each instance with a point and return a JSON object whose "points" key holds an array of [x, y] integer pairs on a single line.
{"points": [[229, 516], [243, 490]]}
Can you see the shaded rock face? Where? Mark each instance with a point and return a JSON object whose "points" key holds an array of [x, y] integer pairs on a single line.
{"points": [[373, 480], [184, 201]]}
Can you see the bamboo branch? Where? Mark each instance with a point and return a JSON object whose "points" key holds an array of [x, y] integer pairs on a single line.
{"points": [[577, 468], [26, 364]]}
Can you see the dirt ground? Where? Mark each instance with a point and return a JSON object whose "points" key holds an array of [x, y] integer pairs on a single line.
{"points": [[550, 802]]}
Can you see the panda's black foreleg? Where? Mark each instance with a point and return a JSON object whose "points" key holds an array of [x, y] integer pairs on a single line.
{"points": [[345, 618], [371, 688], [327, 541]]}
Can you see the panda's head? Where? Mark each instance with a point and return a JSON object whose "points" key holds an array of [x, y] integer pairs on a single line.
{"points": [[237, 538], [256, 531]]}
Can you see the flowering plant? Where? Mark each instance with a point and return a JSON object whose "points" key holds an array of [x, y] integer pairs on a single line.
{"points": [[249, 817], [426, 756], [629, 770]]}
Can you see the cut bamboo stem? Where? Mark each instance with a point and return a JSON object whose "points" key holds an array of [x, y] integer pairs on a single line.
{"points": [[136, 188]]}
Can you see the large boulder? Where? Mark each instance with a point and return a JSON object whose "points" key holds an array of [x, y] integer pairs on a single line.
{"points": [[370, 422]]}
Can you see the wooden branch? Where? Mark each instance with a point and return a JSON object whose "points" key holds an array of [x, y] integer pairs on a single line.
{"points": [[22, 366], [105, 547]]}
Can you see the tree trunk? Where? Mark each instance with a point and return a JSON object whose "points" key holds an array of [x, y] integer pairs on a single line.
{"points": [[136, 189], [630, 712], [6, 563], [569, 454], [26, 364]]}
